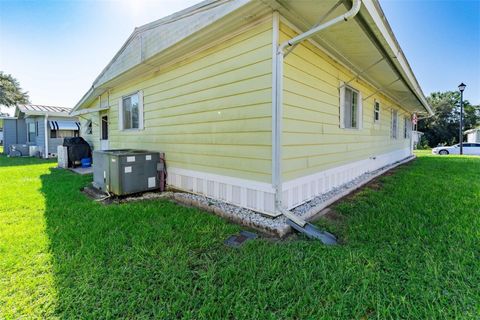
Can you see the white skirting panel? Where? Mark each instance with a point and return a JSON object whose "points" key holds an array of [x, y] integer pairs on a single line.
{"points": [[300, 190], [258, 196]]}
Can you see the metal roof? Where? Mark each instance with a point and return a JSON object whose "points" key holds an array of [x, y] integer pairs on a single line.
{"points": [[25, 108], [36, 109]]}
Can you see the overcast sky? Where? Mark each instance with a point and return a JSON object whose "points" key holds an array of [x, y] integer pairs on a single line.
{"points": [[57, 48]]}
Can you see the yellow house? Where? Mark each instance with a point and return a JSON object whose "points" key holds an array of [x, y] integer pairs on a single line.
{"points": [[261, 103]]}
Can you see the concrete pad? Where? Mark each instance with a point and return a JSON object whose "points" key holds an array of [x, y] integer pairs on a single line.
{"points": [[82, 171]]}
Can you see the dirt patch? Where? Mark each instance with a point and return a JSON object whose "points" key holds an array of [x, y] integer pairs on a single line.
{"points": [[105, 198], [374, 185], [334, 216], [94, 193]]}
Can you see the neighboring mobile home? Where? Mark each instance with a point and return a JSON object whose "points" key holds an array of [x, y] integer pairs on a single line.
{"points": [[243, 121], [40, 126], [473, 135]]}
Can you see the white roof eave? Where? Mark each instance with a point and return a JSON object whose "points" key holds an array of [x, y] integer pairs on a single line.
{"points": [[218, 9], [376, 21], [376, 13]]}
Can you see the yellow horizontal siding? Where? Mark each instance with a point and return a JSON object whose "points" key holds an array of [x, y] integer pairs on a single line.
{"points": [[217, 103], [312, 138], [210, 112]]}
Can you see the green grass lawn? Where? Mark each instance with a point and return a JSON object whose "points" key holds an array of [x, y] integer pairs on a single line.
{"points": [[411, 249]]}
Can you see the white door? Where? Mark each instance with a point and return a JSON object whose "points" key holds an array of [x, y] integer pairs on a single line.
{"points": [[104, 132]]}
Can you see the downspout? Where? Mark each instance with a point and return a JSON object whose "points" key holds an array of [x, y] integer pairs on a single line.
{"points": [[277, 100], [45, 155]]}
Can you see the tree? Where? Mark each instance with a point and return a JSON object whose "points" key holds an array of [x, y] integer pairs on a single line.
{"points": [[443, 126], [11, 93]]}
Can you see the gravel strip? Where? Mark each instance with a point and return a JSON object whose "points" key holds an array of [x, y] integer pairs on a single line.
{"points": [[276, 226], [314, 205], [304, 208]]}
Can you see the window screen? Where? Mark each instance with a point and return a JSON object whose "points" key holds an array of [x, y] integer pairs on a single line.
{"points": [[130, 112], [350, 111], [394, 126]]}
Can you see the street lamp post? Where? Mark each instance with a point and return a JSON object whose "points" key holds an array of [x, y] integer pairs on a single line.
{"points": [[461, 87]]}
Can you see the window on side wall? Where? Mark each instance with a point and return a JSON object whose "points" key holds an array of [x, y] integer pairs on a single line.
{"points": [[88, 127], [31, 132], [376, 111], [56, 134], [131, 112], [407, 128], [394, 124], [350, 108]]}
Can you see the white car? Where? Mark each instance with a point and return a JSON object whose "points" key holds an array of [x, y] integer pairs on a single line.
{"points": [[468, 149]]}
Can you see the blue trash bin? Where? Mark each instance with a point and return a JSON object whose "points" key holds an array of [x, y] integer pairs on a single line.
{"points": [[86, 162]]}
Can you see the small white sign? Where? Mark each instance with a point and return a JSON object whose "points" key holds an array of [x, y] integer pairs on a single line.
{"points": [[113, 160], [148, 157], [128, 169], [151, 182], [131, 159]]}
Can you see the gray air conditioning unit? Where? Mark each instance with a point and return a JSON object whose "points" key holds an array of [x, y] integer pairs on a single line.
{"points": [[127, 171], [19, 150]]}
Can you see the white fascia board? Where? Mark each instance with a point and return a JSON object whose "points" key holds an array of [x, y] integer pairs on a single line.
{"points": [[46, 113]]}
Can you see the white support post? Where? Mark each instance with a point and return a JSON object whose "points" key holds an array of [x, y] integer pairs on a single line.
{"points": [[45, 152]]}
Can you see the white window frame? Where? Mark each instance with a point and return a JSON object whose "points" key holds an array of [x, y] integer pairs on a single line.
{"points": [[375, 111], [394, 124], [343, 89], [121, 123]]}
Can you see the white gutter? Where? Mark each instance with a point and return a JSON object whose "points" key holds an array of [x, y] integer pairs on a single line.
{"points": [[85, 111], [344, 17], [45, 153], [277, 100]]}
